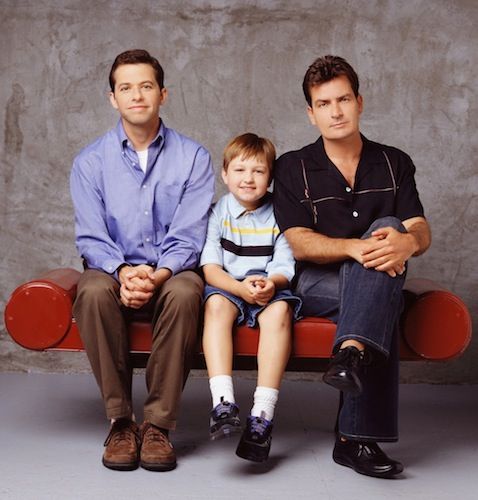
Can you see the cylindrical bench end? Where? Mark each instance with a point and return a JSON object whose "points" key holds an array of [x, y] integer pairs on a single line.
{"points": [[38, 315]]}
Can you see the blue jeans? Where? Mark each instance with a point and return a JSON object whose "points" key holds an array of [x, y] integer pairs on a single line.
{"points": [[366, 305]]}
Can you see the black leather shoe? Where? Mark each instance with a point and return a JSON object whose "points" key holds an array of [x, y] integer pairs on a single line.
{"points": [[365, 458], [343, 371]]}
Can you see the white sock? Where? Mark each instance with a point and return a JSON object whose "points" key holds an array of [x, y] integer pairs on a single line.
{"points": [[265, 400], [221, 387], [113, 420]]}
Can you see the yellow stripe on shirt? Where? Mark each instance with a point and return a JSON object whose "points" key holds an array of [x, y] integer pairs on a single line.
{"points": [[241, 230]]}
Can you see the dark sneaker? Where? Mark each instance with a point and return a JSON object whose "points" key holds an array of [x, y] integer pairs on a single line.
{"points": [[365, 458], [224, 420], [122, 446], [344, 369], [157, 453], [256, 439]]}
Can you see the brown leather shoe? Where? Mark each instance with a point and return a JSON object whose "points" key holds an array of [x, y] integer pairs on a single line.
{"points": [[157, 453], [122, 446]]}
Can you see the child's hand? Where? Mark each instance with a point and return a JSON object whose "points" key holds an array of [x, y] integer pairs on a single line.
{"points": [[264, 291], [249, 288]]}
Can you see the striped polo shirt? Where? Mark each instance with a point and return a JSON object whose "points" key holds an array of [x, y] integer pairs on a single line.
{"points": [[245, 242]]}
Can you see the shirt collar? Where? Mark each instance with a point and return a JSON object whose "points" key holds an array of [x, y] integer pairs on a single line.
{"points": [[262, 213], [370, 151], [370, 155], [124, 141]]}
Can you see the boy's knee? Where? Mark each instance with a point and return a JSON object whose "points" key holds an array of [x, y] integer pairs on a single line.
{"points": [[217, 304], [279, 311], [282, 307]]}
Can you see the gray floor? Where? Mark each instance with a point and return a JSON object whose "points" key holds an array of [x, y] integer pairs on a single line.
{"points": [[52, 430]]}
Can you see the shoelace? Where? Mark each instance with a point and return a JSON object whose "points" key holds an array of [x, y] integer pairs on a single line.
{"points": [[223, 410], [152, 434], [121, 436], [119, 433], [258, 426]]}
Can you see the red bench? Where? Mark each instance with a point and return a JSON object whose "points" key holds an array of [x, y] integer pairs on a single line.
{"points": [[435, 325]]}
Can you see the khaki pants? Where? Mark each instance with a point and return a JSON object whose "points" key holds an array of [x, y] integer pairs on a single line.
{"points": [[102, 322]]}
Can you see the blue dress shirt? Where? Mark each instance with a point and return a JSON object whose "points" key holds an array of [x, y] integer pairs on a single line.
{"points": [[125, 215]]}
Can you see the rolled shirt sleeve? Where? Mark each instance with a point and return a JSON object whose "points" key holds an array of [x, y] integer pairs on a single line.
{"points": [[93, 240], [184, 240]]}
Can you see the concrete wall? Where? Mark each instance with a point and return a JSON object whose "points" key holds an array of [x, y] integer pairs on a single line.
{"points": [[233, 66]]}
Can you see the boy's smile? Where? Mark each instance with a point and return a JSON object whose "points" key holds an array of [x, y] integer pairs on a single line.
{"points": [[247, 179]]}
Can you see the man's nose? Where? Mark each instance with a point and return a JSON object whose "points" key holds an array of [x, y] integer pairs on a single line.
{"points": [[136, 93], [336, 110]]}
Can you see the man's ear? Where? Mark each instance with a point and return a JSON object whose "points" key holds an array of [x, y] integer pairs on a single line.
{"points": [[164, 95], [360, 103], [310, 114], [113, 100]]}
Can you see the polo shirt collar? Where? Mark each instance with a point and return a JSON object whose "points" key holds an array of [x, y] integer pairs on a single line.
{"points": [[262, 213]]}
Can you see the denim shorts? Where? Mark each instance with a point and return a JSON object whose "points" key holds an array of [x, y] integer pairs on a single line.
{"points": [[248, 313]]}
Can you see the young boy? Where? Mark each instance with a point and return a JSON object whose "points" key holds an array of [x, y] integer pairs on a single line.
{"points": [[247, 266]]}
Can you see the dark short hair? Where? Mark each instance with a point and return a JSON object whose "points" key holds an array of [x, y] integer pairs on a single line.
{"points": [[326, 68], [137, 56], [247, 146]]}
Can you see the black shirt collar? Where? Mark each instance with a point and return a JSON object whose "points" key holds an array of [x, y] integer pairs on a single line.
{"points": [[371, 152], [370, 156]]}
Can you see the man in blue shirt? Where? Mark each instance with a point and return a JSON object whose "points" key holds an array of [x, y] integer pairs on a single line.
{"points": [[141, 195]]}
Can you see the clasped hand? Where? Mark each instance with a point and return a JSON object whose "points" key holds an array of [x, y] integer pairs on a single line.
{"points": [[386, 250], [258, 289], [137, 285]]}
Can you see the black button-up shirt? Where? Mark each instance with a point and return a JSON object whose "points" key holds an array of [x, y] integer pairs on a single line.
{"points": [[310, 191]]}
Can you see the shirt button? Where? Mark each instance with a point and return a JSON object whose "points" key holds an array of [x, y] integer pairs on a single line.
{"points": [[146, 212], [144, 186], [355, 213], [348, 189], [148, 239]]}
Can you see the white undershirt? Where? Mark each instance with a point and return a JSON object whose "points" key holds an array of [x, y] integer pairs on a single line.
{"points": [[143, 159]]}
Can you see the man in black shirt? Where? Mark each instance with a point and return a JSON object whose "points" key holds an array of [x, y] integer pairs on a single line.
{"points": [[350, 211]]}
